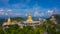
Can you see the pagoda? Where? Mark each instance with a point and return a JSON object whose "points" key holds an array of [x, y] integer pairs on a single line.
{"points": [[9, 21], [29, 18]]}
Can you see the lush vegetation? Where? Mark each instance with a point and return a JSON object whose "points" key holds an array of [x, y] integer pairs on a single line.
{"points": [[48, 27]]}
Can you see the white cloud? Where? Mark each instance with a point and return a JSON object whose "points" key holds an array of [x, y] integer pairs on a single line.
{"points": [[1, 10], [1, 13], [18, 15], [36, 14], [42, 14], [26, 14], [9, 10], [6, 13], [50, 12]]}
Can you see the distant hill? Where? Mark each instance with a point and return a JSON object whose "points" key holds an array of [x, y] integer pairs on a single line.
{"points": [[1, 21], [57, 16], [18, 19]]}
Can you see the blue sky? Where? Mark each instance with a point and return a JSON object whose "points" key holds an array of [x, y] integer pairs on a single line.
{"points": [[36, 7]]}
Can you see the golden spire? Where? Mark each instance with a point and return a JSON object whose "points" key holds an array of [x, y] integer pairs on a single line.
{"points": [[29, 17], [9, 21]]}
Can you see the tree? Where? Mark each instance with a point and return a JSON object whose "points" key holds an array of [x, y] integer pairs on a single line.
{"points": [[50, 26], [1, 30]]}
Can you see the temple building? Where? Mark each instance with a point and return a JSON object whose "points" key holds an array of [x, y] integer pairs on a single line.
{"points": [[53, 19], [29, 22], [8, 22]]}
